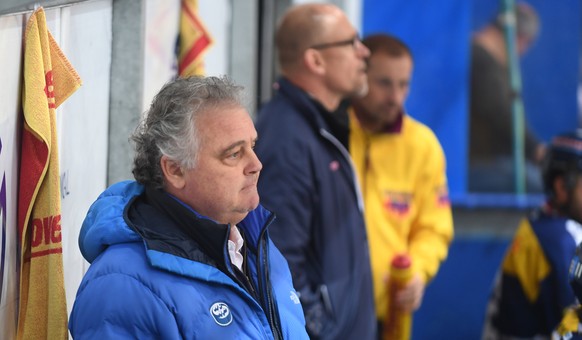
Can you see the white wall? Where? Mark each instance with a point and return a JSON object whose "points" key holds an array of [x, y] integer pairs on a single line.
{"points": [[85, 38], [161, 30], [84, 33], [217, 17]]}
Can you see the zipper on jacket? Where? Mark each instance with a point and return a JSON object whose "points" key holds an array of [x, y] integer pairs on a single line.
{"points": [[327, 135], [245, 282], [267, 300], [240, 276]]}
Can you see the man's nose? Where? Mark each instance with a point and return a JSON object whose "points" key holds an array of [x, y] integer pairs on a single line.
{"points": [[362, 50], [255, 164]]}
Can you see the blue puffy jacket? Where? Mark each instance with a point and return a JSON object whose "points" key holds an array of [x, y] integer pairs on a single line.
{"points": [[147, 284], [308, 180]]}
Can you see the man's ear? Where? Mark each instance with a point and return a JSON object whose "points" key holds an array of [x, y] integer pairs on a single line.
{"points": [[560, 190], [173, 174], [313, 61]]}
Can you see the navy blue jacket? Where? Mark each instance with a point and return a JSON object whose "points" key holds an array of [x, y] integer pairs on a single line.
{"points": [[308, 180], [150, 279]]}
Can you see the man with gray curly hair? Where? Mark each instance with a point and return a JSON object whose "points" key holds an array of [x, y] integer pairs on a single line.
{"points": [[183, 252]]}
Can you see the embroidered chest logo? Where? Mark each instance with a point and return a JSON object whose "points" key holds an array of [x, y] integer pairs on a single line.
{"points": [[398, 203], [221, 313]]}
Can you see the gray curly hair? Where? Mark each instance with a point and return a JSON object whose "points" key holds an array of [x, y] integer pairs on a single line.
{"points": [[169, 127]]}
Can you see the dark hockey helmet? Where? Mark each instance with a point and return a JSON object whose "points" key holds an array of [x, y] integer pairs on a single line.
{"points": [[563, 158]]}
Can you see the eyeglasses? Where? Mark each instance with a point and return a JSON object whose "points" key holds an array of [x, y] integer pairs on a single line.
{"points": [[352, 41]]}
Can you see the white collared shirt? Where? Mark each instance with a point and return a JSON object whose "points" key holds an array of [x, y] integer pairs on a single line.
{"points": [[235, 243]]}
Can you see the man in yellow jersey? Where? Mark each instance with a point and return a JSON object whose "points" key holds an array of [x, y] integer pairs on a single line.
{"points": [[401, 168]]}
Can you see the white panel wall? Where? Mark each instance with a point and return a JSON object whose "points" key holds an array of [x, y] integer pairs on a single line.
{"points": [[216, 16], [84, 33], [161, 31], [83, 126]]}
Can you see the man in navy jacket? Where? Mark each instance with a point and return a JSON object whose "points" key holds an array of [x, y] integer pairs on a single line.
{"points": [[308, 179]]}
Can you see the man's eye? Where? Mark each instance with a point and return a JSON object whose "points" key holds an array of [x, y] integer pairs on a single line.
{"points": [[234, 155], [384, 83]]}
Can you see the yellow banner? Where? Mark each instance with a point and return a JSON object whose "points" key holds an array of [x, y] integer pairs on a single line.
{"points": [[49, 80], [194, 40]]}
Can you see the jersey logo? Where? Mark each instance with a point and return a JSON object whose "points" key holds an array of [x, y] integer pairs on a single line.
{"points": [[397, 203], [442, 194], [221, 313]]}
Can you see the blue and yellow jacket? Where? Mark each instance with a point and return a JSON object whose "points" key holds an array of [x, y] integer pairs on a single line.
{"points": [[531, 290], [149, 278]]}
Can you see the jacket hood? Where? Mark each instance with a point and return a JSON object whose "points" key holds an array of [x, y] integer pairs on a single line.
{"points": [[104, 224]]}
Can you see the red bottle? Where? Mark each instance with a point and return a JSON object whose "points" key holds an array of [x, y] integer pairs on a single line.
{"points": [[398, 324]]}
